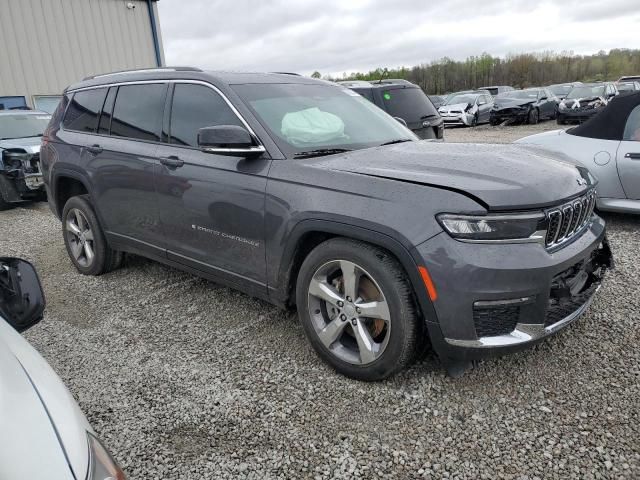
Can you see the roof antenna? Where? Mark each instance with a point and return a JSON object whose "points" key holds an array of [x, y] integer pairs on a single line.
{"points": [[385, 73]]}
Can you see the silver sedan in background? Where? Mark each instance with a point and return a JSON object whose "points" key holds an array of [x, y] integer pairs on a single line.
{"points": [[43, 432], [609, 146]]}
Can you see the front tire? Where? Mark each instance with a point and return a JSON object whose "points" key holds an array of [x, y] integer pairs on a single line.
{"points": [[4, 205], [355, 304], [85, 240], [533, 117]]}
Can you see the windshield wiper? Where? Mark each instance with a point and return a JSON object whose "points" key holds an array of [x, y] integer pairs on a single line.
{"points": [[321, 152], [399, 140]]}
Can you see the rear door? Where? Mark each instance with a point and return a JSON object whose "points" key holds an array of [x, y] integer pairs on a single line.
{"points": [[121, 160], [628, 156], [211, 205]]}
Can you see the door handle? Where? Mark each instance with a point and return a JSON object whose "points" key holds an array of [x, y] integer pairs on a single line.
{"points": [[632, 155], [171, 161], [94, 149]]}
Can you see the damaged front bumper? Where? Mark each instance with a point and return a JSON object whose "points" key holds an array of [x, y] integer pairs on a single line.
{"points": [[512, 114], [503, 298], [20, 177], [462, 119]]}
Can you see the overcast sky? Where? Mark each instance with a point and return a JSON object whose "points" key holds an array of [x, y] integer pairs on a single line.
{"points": [[335, 36]]}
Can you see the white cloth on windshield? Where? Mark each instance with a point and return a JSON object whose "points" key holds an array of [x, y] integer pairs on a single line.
{"points": [[311, 126]]}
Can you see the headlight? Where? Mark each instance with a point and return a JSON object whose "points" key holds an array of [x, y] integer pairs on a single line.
{"points": [[101, 464], [516, 228]]}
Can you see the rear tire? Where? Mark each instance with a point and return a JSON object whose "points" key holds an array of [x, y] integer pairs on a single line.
{"points": [[340, 324], [84, 239]]}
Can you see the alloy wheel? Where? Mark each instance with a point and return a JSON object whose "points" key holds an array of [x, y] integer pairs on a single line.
{"points": [[80, 237], [349, 312]]}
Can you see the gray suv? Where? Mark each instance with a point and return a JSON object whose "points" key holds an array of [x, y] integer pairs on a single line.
{"points": [[303, 193]]}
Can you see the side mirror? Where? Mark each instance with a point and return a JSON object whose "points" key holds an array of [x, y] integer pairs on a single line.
{"points": [[21, 296], [402, 121], [228, 140], [544, 98]]}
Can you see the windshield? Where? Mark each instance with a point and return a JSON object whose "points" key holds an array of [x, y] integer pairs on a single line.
{"points": [[410, 104], [560, 90], [305, 117], [22, 125], [586, 92], [454, 100], [520, 94]]}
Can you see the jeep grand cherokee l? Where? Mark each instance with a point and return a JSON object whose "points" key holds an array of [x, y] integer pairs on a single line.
{"points": [[300, 192]]}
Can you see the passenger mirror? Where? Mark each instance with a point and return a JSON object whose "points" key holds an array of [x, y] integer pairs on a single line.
{"points": [[543, 98], [402, 121], [21, 296], [228, 140]]}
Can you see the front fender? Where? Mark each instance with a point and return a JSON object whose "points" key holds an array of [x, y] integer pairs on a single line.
{"points": [[378, 235]]}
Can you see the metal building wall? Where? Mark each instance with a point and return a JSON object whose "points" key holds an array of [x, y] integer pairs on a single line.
{"points": [[46, 45]]}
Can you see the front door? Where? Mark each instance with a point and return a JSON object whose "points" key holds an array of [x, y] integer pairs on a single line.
{"points": [[628, 156], [211, 206]]}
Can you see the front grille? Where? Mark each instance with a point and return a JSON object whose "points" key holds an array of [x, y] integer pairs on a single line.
{"points": [[560, 309], [495, 320], [566, 221]]}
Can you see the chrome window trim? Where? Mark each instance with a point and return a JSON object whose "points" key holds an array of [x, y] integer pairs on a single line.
{"points": [[170, 81]]}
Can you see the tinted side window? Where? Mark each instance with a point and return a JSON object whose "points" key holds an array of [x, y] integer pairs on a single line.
{"points": [[632, 128], [195, 107], [138, 111], [83, 111], [107, 110], [410, 104], [366, 93]]}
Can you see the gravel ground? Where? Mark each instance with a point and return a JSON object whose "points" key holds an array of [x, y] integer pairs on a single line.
{"points": [[186, 379]]}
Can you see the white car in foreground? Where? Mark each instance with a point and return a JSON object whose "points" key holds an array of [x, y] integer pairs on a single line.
{"points": [[43, 432], [609, 146]]}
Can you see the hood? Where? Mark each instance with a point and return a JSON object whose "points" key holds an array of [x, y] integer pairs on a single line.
{"points": [[512, 102], [29, 447], [29, 145], [455, 107], [499, 177], [32, 400]]}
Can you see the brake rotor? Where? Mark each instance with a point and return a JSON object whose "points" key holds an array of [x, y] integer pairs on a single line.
{"points": [[368, 292]]}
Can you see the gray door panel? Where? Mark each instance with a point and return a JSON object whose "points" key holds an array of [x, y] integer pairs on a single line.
{"points": [[123, 186], [628, 158], [212, 211]]}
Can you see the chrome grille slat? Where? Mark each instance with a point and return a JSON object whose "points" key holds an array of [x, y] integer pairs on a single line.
{"points": [[566, 221]]}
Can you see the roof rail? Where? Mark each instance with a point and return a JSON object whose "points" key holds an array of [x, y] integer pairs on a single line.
{"points": [[287, 73], [143, 70]]}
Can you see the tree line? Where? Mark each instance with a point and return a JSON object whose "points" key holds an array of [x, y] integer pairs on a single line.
{"points": [[518, 70]]}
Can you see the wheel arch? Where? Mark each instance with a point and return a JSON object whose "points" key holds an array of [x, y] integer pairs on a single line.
{"points": [[308, 234], [66, 184]]}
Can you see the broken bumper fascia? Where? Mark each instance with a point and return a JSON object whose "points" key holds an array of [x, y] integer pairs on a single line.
{"points": [[458, 119], [467, 275], [17, 186]]}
